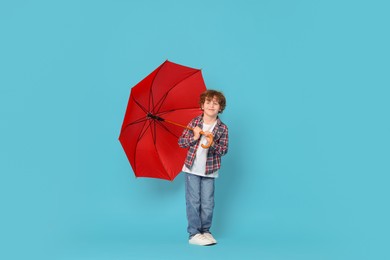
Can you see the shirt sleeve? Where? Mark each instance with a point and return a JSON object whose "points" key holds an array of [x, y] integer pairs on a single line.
{"points": [[221, 145], [187, 137]]}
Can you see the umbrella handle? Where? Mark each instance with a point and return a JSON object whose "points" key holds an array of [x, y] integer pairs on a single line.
{"points": [[209, 138]]}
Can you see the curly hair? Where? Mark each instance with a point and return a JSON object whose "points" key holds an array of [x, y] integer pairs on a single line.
{"points": [[210, 94]]}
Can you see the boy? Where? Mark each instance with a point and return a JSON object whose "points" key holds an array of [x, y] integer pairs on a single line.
{"points": [[202, 164]]}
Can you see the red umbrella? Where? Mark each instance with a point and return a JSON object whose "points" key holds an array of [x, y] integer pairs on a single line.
{"points": [[167, 98]]}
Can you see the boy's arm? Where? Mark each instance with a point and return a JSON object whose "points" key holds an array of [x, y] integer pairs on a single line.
{"points": [[220, 146], [187, 138]]}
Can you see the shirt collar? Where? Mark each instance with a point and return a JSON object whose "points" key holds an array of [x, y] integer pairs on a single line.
{"points": [[200, 120]]}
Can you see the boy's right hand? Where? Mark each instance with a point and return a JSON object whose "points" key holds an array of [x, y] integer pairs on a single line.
{"points": [[197, 131]]}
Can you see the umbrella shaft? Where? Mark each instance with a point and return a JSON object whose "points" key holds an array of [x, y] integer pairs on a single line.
{"points": [[150, 115], [174, 123], [187, 127]]}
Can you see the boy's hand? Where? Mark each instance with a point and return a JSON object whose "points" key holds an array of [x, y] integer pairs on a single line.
{"points": [[197, 131]]}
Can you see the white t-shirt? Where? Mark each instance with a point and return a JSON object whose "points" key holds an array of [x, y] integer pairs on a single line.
{"points": [[199, 165]]}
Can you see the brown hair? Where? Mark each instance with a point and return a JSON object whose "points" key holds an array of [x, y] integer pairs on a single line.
{"points": [[210, 94]]}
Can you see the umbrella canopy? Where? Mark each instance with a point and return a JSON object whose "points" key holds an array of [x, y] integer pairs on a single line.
{"points": [[171, 92]]}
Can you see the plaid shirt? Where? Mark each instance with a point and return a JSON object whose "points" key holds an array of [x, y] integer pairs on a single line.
{"points": [[218, 149]]}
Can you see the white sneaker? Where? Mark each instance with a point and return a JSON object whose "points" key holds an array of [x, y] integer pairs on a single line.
{"points": [[199, 240], [210, 237]]}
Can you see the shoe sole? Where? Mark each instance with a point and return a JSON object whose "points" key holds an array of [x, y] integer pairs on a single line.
{"points": [[211, 244]]}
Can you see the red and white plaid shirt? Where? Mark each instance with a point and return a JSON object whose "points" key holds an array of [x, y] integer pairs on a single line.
{"points": [[216, 150]]}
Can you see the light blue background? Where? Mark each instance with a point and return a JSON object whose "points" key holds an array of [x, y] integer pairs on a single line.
{"points": [[307, 85]]}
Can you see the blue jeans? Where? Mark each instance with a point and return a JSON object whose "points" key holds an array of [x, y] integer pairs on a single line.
{"points": [[199, 203]]}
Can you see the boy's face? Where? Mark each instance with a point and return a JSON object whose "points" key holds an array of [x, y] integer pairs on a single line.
{"points": [[211, 107]]}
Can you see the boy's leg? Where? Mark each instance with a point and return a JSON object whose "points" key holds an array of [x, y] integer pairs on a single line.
{"points": [[192, 184], [207, 203]]}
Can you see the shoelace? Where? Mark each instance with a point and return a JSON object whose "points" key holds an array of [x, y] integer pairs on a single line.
{"points": [[202, 237]]}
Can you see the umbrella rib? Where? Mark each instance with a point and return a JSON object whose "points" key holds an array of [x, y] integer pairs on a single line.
{"points": [[142, 133], [162, 164], [166, 128], [154, 135], [138, 121], [140, 105], [135, 122], [161, 101], [151, 86]]}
